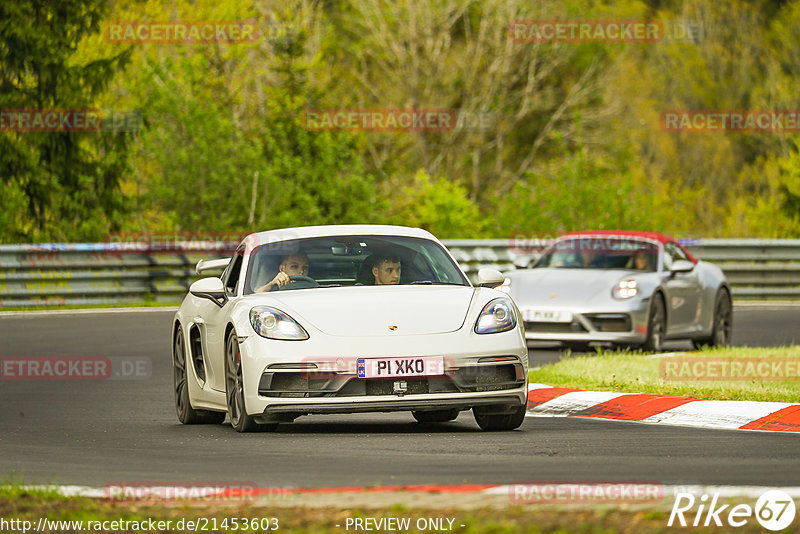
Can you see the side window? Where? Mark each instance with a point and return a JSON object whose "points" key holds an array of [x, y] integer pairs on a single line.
{"points": [[231, 275], [672, 253]]}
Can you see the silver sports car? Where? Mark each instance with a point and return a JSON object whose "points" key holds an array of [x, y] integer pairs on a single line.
{"points": [[347, 319], [621, 288]]}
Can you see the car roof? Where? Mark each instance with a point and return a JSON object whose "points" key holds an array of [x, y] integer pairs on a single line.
{"points": [[652, 236], [301, 232]]}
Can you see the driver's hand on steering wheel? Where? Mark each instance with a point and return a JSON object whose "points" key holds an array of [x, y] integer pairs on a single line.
{"points": [[280, 280]]}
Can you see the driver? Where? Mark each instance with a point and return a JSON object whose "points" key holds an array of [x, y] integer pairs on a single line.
{"points": [[291, 265], [641, 262]]}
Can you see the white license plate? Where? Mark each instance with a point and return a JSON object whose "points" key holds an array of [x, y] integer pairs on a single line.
{"points": [[400, 367], [547, 316]]}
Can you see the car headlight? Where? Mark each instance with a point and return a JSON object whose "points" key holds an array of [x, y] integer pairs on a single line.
{"points": [[274, 324], [496, 316], [625, 289], [506, 286]]}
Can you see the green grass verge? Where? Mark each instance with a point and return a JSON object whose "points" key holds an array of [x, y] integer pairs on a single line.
{"points": [[13, 488], [324, 520], [634, 372]]}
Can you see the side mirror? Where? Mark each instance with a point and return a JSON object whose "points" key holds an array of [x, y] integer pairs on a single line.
{"points": [[681, 266], [490, 278], [209, 265], [210, 288], [523, 261]]}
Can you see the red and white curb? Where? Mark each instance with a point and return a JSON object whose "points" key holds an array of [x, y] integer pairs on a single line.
{"points": [[549, 401], [665, 491]]}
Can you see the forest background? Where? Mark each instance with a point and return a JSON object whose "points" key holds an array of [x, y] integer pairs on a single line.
{"points": [[560, 136]]}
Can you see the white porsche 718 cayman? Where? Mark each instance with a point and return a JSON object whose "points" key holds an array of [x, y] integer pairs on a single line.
{"points": [[362, 319]]}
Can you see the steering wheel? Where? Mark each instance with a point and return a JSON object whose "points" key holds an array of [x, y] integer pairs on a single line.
{"points": [[298, 281]]}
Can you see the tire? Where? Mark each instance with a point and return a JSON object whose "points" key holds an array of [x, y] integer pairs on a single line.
{"points": [[488, 418], [234, 390], [183, 405], [436, 416], [656, 325], [722, 325]]}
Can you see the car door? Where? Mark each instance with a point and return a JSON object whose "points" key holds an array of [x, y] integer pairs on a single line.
{"points": [[683, 291], [215, 319]]}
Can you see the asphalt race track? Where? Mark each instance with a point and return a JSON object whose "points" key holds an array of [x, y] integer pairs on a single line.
{"points": [[111, 431]]}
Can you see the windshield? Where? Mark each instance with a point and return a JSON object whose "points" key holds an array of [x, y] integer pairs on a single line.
{"points": [[607, 252], [351, 261]]}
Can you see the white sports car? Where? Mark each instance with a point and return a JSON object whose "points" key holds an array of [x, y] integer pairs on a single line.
{"points": [[362, 319]]}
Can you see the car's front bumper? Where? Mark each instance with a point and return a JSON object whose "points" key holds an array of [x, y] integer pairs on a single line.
{"points": [[624, 322], [285, 379], [288, 411]]}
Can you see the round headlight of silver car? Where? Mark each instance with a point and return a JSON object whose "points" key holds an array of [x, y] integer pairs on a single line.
{"points": [[625, 289]]}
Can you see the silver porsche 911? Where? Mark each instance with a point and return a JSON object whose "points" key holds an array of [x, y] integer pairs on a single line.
{"points": [[347, 319], [634, 289]]}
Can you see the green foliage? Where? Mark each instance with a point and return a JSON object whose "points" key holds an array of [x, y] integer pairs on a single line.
{"points": [[211, 168], [204, 164], [573, 139], [65, 185], [437, 205], [790, 187], [580, 191]]}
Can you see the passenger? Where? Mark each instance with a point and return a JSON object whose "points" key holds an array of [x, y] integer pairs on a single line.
{"points": [[291, 265], [386, 270]]}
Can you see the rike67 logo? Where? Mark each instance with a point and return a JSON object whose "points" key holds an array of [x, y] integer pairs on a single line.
{"points": [[774, 510]]}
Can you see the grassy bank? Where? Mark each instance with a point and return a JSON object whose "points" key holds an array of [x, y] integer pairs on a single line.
{"points": [[691, 374], [532, 519]]}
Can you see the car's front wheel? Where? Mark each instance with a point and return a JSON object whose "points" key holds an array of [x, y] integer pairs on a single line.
{"points": [[498, 417], [723, 322], [183, 406], [234, 390], [656, 325], [435, 416]]}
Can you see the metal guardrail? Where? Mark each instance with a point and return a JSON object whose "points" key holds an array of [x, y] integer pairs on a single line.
{"points": [[100, 273], [106, 273]]}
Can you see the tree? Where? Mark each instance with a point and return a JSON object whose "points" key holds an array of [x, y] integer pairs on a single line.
{"points": [[228, 150], [58, 185], [438, 205]]}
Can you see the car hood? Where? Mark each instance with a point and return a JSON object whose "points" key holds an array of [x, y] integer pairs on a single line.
{"points": [[564, 287], [373, 311]]}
